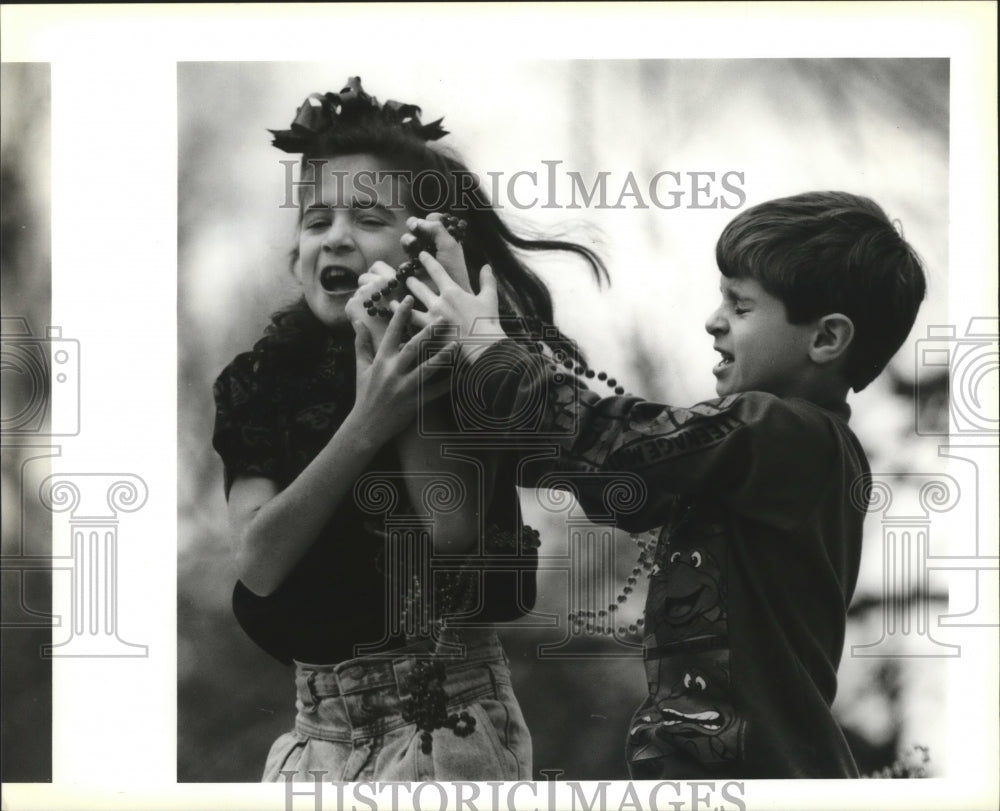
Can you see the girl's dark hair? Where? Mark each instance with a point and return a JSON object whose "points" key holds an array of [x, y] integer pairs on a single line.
{"points": [[488, 239], [831, 252]]}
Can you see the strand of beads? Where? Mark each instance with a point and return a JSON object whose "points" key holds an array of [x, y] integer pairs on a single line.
{"points": [[602, 621], [412, 267], [580, 369], [426, 703], [560, 357], [457, 228]]}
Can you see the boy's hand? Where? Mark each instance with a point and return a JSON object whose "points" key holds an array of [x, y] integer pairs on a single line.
{"points": [[449, 252], [477, 317]]}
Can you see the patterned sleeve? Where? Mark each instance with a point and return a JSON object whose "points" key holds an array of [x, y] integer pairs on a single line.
{"points": [[765, 457], [246, 433]]}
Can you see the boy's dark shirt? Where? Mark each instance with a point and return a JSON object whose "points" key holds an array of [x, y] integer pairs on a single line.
{"points": [[762, 502]]}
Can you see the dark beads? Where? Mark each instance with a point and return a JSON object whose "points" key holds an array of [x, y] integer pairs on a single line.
{"points": [[412, 266]]}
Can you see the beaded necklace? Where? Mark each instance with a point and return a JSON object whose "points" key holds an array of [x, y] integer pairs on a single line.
{"points": [[426, 703]]}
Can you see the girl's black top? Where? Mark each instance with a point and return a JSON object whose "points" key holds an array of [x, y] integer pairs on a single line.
{"points": [[277, 406]]}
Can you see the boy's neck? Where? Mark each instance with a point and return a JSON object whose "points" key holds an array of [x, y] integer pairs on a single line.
{"points": [[826, 394]]}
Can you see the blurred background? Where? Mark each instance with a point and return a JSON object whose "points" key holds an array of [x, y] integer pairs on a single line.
{"points": [[25, 304], [873, 127]]}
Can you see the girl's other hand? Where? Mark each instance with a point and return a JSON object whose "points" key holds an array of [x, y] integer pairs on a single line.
{"points": [[371, 282], [391, 381]]}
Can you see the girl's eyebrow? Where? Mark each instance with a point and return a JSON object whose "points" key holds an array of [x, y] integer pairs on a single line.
{"points": [[354, 206], [380, 207]]}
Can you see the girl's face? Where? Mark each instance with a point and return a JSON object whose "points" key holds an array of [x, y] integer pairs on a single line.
{"points": [[355, 221]]}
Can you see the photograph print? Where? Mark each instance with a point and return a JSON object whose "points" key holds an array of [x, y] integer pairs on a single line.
{"points": [[544, 418]]}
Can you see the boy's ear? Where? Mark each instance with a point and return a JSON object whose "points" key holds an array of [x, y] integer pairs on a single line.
{"points": [[833, 334]]}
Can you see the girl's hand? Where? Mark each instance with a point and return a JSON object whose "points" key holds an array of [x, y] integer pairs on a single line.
{"points": [[391, 383], [477, 317], [371, 282], [449, 252]]}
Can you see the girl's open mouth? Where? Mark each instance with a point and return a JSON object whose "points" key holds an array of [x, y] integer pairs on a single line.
{"points": [[338, 281]]}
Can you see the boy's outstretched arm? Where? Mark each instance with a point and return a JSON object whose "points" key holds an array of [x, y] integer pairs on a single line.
{"points": [[763, 456]]}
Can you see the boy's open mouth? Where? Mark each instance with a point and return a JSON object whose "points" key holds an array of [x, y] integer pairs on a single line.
{"points": [[726, 360], [338, 280]]}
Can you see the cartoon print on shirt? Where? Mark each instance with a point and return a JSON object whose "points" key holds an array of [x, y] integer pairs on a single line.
{"points": [[689, 713], [691, 588], [692, 717], [687, 587]]}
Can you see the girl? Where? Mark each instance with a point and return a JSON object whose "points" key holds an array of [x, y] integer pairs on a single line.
{"points": [[327, 399]]}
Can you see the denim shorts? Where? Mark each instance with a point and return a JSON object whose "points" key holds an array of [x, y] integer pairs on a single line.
{"points": [[350, 727]]}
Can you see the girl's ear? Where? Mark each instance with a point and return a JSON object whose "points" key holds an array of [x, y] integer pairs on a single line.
{"points": [[832, 337]]}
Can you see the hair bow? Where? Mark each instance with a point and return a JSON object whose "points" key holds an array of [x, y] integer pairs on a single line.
{"points": [[350, 107]]}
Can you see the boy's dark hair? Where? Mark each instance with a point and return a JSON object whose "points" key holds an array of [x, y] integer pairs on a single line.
{"points": [[831, 252]]}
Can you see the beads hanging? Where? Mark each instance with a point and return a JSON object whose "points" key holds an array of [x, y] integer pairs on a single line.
{"points": [[426, 704], [602, 621]]}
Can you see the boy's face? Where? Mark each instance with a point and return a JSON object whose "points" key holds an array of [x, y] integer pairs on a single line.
{"points": [[761, 350]]}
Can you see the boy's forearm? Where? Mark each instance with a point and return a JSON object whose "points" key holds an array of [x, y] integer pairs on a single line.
{"points": [[754, 451], [455, 531]]}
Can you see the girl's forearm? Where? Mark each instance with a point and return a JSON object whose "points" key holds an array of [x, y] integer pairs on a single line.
{"points": [[277, 532]]}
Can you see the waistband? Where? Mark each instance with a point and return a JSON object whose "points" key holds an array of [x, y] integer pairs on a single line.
{"points": [[389, 669], [364, 696]]}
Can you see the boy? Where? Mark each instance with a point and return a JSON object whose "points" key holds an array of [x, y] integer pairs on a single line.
{"points": [[762, 492]]}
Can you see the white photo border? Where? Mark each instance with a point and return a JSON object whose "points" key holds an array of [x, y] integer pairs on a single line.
{"points": [[114, 287]]}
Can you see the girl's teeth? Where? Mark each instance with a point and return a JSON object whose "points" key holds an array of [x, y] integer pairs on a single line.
{"points": [[336, 280]]}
